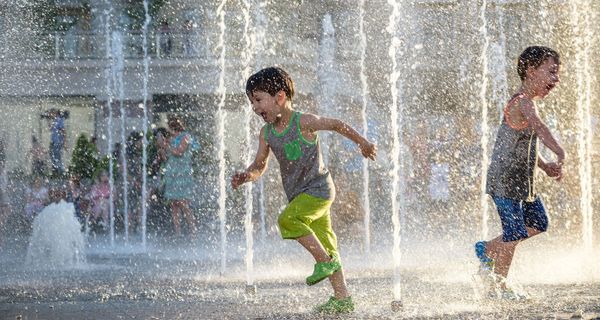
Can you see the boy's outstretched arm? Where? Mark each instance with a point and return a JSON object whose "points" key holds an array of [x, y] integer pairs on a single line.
{"points": [[530, 113], [314, 123], [256, 169]]}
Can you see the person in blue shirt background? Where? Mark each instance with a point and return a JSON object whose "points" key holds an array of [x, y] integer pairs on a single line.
{"points": [[57, 141]]}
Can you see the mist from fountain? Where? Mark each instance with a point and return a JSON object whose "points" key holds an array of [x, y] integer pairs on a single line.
{"points": [[497, 65], [545, 19]]}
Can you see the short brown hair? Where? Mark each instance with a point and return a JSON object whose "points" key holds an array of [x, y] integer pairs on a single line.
{"points": [[271, 80], [176, 123], [535, 56]]}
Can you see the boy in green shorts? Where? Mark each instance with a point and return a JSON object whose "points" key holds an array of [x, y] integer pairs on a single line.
{"points": [[292, 137]]}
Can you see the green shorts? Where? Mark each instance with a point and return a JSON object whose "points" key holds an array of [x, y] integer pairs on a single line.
{"points": [[305, 215]]}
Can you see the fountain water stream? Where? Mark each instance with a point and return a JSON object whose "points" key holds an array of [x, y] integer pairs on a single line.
{"points": [[327, 79], [248, 208], [109, 101], [484, 140], [145, 120], [222, 94], [392, 29], [260, 30], [118, 69], [365, 128], [581, 21], [56, 241]]}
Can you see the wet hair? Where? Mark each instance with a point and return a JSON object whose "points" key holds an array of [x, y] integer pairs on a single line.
{"points": [[162, 131], [535, 56], [271, 80], [175, 123], [135, 136], [57, 193]]}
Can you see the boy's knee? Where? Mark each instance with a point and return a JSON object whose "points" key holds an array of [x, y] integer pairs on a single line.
{"points": [[540, 223], [292, 227], [287, 222]]}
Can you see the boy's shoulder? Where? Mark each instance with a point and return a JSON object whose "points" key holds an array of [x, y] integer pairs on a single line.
{"points": [[306, 118], [520, 102]]}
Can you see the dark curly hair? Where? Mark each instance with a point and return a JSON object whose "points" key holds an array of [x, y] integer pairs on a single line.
{"points": [[535, 56]]}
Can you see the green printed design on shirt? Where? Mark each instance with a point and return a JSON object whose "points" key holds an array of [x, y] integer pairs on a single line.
{"points": [[292, 150]]}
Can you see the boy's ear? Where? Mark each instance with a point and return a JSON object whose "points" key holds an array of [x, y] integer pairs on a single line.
{"points": [[530, 70], [281, 97]]}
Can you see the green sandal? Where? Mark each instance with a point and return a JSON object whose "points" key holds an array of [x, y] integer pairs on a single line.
{"points": [[323, 270], [336, 306]]}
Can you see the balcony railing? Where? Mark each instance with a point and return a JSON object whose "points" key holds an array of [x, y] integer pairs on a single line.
{"points": [[68, 46]]}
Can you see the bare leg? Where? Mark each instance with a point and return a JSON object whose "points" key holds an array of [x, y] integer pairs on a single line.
{"points": [[95, 213], [338, 282], [503, 252], [175, 213], [105, 212], [312, 244], [187, 213], [133, 220]]}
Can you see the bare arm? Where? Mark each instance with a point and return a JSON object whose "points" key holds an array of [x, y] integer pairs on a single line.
{"points": [[553, 170], [256, 168], [541, 162], [313, 123], [530, 113], [63, 134]]}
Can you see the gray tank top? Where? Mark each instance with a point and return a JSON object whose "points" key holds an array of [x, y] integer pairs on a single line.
{"points": [[300, 162], [512, 169]]}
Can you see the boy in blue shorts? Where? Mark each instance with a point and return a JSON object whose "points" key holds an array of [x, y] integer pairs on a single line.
{"points": [[511, 174], [292, 137]]}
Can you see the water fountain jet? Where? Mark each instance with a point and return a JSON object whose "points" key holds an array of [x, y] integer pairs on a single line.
{"points": [[56, 241]]}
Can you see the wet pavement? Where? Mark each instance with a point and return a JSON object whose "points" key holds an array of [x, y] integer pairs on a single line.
{"points": [[184, 281]]}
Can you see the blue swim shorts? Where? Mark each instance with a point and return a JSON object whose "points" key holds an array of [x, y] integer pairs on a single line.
{"points": [[515, 215]]}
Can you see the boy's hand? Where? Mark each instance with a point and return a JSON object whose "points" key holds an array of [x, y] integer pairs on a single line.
{"points": [[368, 150], [238, 179], [554, 170], [163, 143]]}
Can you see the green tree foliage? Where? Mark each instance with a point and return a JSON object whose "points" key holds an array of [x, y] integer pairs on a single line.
{"points": [[103, 165], [46, 12], [137, 13], [84, 161]]}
